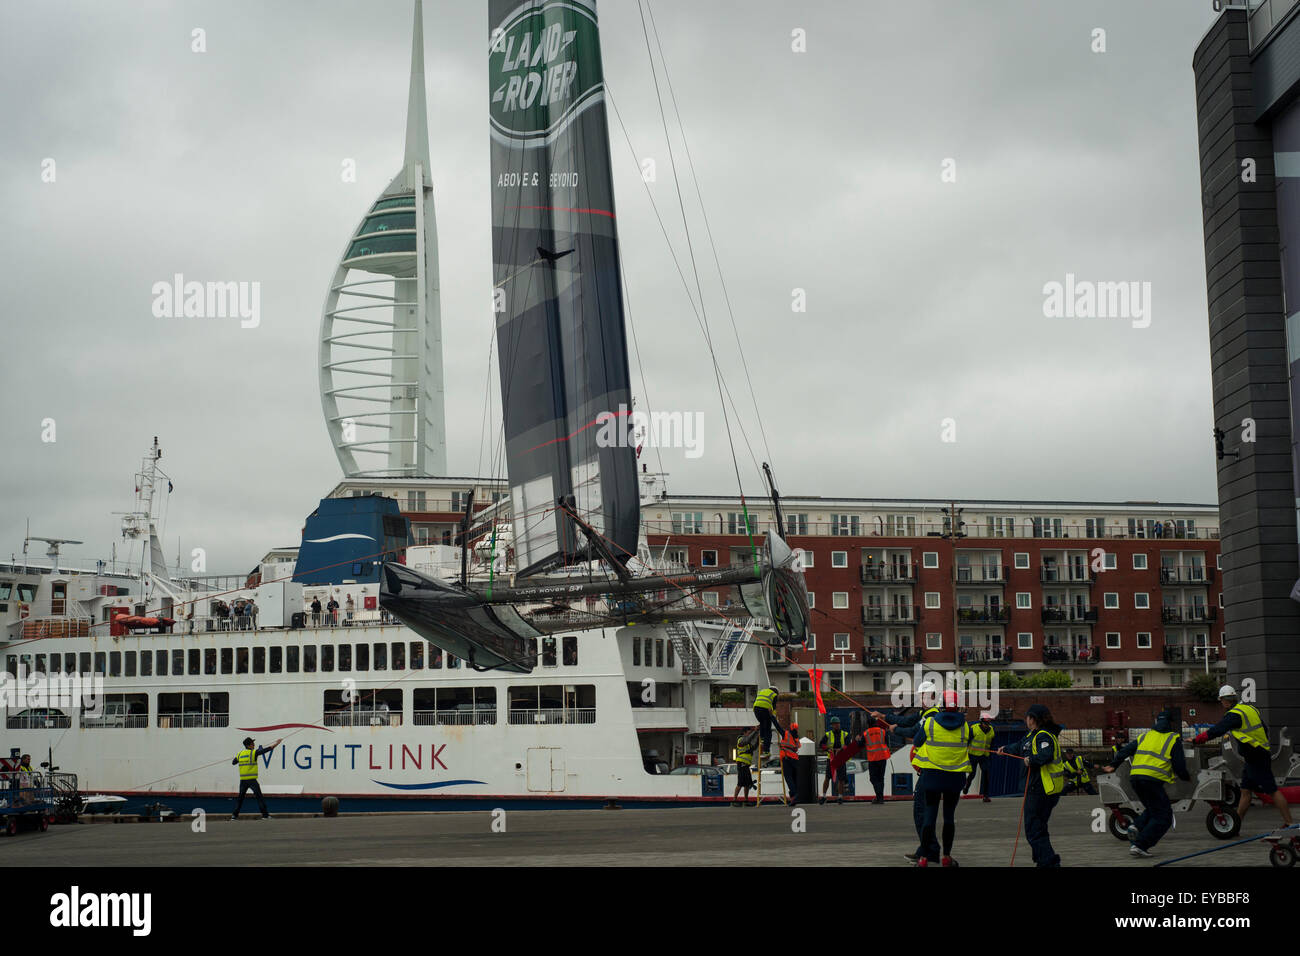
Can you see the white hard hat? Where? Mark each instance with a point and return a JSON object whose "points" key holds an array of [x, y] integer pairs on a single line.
{"points": [[926, 687], [1227, 690]]}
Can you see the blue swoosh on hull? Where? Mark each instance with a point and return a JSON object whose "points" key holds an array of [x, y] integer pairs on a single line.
{"points": [[425, 786]]}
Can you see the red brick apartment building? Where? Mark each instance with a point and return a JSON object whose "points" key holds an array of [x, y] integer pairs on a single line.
{"points": [[1114, 594]]}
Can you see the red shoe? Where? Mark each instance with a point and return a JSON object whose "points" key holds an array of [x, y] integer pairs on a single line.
{"points": [[922, 861], [948, 861]]}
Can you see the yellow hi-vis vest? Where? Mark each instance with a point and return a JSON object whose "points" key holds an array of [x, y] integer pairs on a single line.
{"points": [[981, 741], [1052, 774], [1153, 757], [765, 700], [947, 749], [247, 765], [919, 758], [1252, 727], [744, 752], [835, 739]]}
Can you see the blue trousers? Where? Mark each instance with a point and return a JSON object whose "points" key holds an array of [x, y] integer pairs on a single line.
{"points": [[877, 770], [1038, 807], [933, 800], [918, 816], [976, 764], [1157, 814]]}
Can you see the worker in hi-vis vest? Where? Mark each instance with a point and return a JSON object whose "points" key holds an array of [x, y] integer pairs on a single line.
{"points": [[1076, 773], [1248, 731], [1157, 759], [832, 742], [981, 745], [744, 761], [876, 741], [944, 739], [765, 714], [246, 761], [1041, 748], [790, 761], [907, 725]]}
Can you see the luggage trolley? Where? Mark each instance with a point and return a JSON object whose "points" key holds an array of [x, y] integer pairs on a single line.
{"points": [[26, 798], [1209, 785], [1286, 763]]}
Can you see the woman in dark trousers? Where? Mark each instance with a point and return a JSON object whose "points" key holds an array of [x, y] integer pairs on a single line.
{"points": [[946, 739], [907, 724], [1041, 749]]}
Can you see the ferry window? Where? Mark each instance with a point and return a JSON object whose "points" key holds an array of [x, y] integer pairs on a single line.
{"points": [[40, 664], [259, 660], [85, 663], [194, 710], [128, 664], [119, 710], [146, 663], [100, 662], [115, 664], [668, 654], [178, 663], [553, 704], [26, 592], [291, 660], [210, 660], [381, 658], [327, 658], [377, 707], [277, 654], [570, 644], [417, 655], [399, 655], [227, 660], [309, 659], [363, 657], [548, 652], [345, 657], [69, 663], [241, 660], [435, 658], [649, 650], [659, 652], [193, 662], [636, 652], [454, 706], [11, 665]]}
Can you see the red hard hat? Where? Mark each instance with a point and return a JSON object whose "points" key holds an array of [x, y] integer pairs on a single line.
{"points": [[950, 699]]}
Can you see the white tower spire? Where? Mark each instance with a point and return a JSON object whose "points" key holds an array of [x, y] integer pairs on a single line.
{"points": [[381, 369]]}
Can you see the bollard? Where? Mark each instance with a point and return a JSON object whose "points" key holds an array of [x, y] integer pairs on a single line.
{"points": [[806, 772], [330, 806]]}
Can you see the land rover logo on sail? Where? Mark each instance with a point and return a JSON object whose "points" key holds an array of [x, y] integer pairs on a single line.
{"points": [[544, 65]]}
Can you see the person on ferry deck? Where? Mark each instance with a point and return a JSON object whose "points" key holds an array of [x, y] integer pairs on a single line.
{"points": [[333, 608], [315, 612]]}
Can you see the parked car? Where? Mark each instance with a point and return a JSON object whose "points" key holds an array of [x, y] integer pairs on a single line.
{"points": [[34, 717]]}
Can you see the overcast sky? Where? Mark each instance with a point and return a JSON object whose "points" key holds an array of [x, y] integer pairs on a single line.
{"points": [[820, 171]]}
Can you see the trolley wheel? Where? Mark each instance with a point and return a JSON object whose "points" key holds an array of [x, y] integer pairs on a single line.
{"points": [[1231, 794], [1281, 855], [11, 826], [1120, 821], [1223, 823], [44, 823]]}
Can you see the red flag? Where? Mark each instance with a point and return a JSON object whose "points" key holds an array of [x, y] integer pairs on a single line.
{"points": [[816, 676]]}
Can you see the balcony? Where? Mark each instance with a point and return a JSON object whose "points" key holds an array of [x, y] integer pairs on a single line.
{"points": [[1069, 614], [1186, 574], [775, 661], [1065, 574], [877, 656], [890, 613], [993, 655], [1189, 653], [1055, 655], [887, 574], [981, 574], [984, 615], [1188, 614]]}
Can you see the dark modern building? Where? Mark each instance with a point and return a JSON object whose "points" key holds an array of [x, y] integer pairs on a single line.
{"points": [[1247, 71]]}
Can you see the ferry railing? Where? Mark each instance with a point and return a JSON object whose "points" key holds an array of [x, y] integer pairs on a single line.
{"points": [[579, 715], [873, 527], [37, 721], [362, 717], [454, 718], [36, 628], [179, 721], [130, 721]]}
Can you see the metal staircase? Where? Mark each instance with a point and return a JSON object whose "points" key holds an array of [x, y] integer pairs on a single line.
{"points": [[714, 657]]}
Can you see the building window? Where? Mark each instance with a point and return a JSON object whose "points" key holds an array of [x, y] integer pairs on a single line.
{"points": [[1112, 639], [736, 523], [839, 600], [1022, 560], [932, 599], [1108, 561], [1024, 600], [929, 559], [711, 598], [841, 642], [811, 643], [796, 524], [1094, 527], [934, 642], [415, 501], [845, 525], [839, 559], [1218, 561], [902, 526], [812, 599], [1139, 562], [1001, 527], [806, 558], [688, 522], [1143, 640], [708, 559], [1142, 600], [1025, 640], [1110, 600]]}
